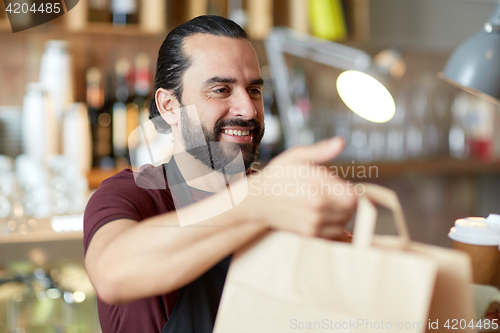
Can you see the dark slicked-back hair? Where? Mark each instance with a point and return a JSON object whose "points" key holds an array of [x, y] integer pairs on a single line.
{"points": [[173, 63]]}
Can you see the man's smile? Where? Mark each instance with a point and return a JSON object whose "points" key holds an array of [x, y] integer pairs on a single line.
{"points": [[236, 134]]}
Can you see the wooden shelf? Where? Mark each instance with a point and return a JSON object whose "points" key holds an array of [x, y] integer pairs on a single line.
{"points": [[43, 233], [110, 29], [90, 29], [262, 16], [437, 167], [96, 176]]}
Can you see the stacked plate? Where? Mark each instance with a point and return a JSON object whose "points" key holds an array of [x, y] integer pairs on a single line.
{"points": [[10, 131]]}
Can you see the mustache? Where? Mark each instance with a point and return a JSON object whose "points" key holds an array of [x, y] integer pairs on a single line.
{"points": [[236, 122]]}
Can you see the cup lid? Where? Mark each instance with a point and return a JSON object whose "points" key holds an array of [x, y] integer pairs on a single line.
{"points": [[493, 221], [475, 230]]}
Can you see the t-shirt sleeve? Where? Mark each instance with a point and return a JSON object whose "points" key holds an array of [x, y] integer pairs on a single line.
{"points": [[116, 198]]}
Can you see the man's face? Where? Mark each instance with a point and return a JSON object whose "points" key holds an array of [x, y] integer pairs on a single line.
{"points": [[225, 84]]}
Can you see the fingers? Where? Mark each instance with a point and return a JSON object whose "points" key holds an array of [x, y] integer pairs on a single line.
{"points": [[321, 152], [333, 221], [308, 221], [313, 204], [331, 232], [306, 209]]}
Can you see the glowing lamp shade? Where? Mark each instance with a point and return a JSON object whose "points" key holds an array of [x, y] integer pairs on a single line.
{"points": [[366, 96]]}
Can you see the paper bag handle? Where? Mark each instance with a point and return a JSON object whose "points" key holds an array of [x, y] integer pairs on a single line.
{"points": [[366, 215]]}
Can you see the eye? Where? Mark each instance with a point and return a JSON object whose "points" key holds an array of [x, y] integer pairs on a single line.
{"points": [[221, 90], [255, 92]]}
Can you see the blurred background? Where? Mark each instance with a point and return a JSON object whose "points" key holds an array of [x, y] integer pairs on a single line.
{"points": [[73, 90]]}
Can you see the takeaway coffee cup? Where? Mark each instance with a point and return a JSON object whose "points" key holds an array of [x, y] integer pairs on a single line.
{"points": [[480, 238]]}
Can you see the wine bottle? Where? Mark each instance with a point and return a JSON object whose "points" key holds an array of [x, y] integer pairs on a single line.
{"points": [[98, 11], [95, 103], [142, 85], [103, 147], [137, 113], [132, 114], [122, 95]]}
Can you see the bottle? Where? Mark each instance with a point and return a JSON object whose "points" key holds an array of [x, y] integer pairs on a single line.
{"points": [[57, 79], [137, 112], [260, 13], [327, 19], [124, 12], [122, 95], [95, 103], [142, 85], [39, 123], [153, 16], [132, 112], [76, 133], [98, 11], [481, 128], [103, 144]]}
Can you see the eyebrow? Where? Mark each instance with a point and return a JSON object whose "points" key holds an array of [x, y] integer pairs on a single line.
{"points": [[218, 79], [257, 82]]}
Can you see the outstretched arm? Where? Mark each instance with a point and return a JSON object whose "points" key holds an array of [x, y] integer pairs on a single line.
{"points": [[127, 260]]}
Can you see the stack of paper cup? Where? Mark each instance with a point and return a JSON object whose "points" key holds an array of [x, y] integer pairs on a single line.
{"points": [[38, 122], [77, 142], [480, 238], [56, 78]]}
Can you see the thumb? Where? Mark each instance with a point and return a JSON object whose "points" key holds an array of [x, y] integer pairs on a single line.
{"points": [[322, 151]]}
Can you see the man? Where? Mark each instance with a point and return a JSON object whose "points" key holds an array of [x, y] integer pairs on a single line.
{"points": [[151, 274]]}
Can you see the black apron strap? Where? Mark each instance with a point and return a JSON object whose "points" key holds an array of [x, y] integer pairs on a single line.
{"points": [[177, 184], [196, 307], [198, 302]]}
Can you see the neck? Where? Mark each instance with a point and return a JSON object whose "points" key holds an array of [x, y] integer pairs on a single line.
{"points": [[200, 176]]}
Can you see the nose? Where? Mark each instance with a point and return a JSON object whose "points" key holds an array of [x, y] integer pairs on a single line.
{"points": [[242, 105]]}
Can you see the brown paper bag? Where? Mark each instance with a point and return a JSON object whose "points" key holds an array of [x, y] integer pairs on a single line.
{"points": [[283, 282]]}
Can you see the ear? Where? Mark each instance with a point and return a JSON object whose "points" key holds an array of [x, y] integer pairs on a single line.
{"points": [[166, 102]]}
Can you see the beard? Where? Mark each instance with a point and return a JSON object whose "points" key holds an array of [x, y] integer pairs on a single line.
{"points": [[220, 156]]}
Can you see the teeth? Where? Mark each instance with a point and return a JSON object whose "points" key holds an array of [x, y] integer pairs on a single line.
{"points": [[237, 132]]}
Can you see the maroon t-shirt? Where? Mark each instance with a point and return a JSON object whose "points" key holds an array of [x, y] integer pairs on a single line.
{"points": [[119, 197]]}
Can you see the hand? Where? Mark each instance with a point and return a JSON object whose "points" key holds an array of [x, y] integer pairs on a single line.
{"points": [[296, 192]]}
